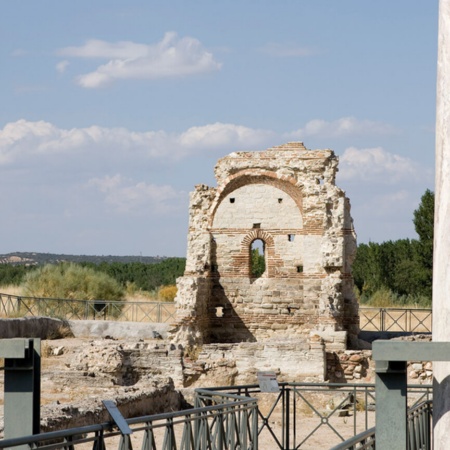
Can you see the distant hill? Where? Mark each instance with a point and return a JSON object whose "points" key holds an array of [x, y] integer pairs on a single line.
{"points": [[33, 259]]}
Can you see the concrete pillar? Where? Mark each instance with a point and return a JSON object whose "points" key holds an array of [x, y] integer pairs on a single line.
{"points": [[441, 258]]}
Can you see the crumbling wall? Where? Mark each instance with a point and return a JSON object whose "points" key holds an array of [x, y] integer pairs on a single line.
{"points": [[285, 197], [238, 364]]}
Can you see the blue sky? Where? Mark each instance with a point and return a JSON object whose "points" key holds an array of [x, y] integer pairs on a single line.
{"points": [[112, 111]]}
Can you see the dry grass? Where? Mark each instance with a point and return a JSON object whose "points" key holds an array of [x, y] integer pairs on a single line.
{"points": [[11, 290], [141, 296], [62, 332], [46, 350]]}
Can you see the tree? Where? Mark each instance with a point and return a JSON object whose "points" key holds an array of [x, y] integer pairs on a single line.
{"points": [[258, 263], [424, 225]]}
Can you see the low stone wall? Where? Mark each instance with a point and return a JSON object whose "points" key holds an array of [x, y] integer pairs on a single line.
{"points": [[420, 372], [159, 397], [127, 363], [350, 366], [234, 364], [50, 328], [117, 330], [32, 327]]}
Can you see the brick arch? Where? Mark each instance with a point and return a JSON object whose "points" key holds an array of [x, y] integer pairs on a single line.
{"points": [[287, 184], [271, 257], [257, 233]]}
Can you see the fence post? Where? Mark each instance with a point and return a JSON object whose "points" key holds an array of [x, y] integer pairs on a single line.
{"points": [[391, 396], [22, 386]]}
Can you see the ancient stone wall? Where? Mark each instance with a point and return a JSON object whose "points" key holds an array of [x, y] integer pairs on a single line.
{"points": [[285, 198], [238, 364]]}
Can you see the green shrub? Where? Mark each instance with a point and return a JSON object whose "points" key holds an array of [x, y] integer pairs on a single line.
{"points": [[71, 281], [385, 298]]}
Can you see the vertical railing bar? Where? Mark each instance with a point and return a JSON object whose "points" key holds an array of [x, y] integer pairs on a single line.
{"points": [[294, 437], [355, 399], [287, 418]]}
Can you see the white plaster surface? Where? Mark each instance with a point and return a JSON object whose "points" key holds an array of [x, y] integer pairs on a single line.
{"points": [[441, 263], [258, 203]]}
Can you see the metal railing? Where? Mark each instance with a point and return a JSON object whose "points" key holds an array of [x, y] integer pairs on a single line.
{"points": [[371, 319], [237, 417], [408, 320], [305, 410], [419, 426], [362, 441], [19, 306], [419, 431], [228, 424]]}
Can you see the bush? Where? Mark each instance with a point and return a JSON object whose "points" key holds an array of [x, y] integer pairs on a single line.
{"points": [[385, 298], [71, 281], [167, 293]]}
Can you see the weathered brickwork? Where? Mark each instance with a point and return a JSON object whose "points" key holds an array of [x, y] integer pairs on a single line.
{"points": [[286, 199]]}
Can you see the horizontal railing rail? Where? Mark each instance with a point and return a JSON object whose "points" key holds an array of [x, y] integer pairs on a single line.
{"points": [[408, 320], [362, 441], [231, 424], [135, 311]]}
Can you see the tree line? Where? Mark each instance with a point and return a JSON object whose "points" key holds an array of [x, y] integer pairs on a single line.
{"points": [[399, 272], [147, 277]]}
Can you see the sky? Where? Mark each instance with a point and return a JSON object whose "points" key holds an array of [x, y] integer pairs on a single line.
{"points": [[112, 111]]}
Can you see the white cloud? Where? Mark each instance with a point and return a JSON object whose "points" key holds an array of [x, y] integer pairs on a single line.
{"points": [[343, 127], [287, 51], [23, 139], [95, 48], [388, 202], [375, 164], [124, 196], [220, 135], [61, 67], [171, 57]]}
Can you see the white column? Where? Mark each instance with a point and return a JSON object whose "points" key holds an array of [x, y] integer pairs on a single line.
{"points": [[441, 258]]}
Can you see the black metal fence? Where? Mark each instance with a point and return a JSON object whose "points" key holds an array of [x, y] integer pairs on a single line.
{"points": [[231, 424], [239, 417], [19, 306], [419, 431], [302, 413]]}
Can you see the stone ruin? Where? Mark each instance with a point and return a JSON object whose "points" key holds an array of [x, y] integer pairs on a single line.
{"points": [[286, 199]]}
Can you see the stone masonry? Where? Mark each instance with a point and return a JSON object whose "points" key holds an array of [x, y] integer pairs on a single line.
{"points": [[285, 198]]}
